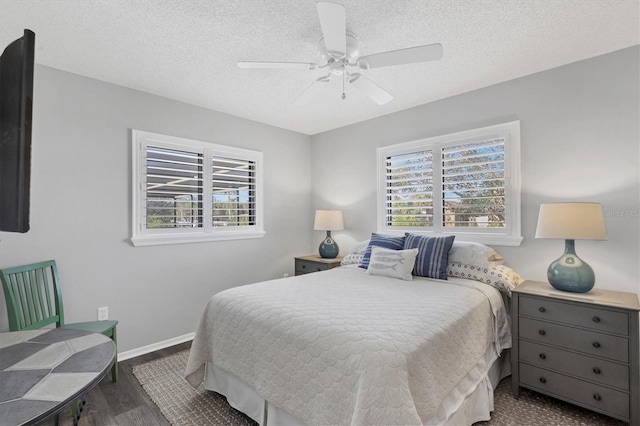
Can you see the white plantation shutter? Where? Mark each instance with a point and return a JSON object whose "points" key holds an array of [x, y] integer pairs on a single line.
{"points": [[467, 184], [187, 191], [473, 185], [409, 199], [234, 192], [174, 192]]}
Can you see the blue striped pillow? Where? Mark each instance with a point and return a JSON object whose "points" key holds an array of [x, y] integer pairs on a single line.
{"points": [[433, 254], [392, 242]]}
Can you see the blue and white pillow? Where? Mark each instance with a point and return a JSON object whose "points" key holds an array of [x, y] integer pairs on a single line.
{"points": [[392, 263], [433, 254], [392, 242]]}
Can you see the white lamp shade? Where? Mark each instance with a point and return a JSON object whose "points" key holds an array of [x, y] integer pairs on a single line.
{"points": [[328, 220], [571, 221]]}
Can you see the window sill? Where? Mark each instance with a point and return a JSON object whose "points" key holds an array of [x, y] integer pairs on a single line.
{"points": [[166, 239]]}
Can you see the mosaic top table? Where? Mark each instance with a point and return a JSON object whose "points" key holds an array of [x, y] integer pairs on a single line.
{"points": [[42, 372]]}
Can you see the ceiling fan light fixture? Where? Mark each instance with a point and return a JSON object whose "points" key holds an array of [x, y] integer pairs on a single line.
{"points": [[363, 64], [351, 50], [338, 50]]}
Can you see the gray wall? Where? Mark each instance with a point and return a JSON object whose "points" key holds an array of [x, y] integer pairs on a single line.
{"points": [[81, 208], [580, 137]]}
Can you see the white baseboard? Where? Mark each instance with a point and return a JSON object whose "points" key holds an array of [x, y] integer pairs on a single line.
{"points": [[155, 346]]}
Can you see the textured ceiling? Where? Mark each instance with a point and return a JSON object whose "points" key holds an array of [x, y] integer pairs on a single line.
{"points": [[187, 50]]}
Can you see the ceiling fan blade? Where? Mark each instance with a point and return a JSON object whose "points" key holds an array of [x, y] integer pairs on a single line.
{"points": [[369, 88], [334, 28], [429, 52], [281, 65], [312, 91]]}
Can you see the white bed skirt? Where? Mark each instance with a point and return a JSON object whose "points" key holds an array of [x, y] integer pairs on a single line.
{"points": [[469, 402]]}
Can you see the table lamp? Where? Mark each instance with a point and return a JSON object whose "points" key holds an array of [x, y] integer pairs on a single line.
{"points": [[571, 221], [328, 220]]}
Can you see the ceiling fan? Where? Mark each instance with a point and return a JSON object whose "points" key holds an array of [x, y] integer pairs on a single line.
{"points": [[338, 53]]}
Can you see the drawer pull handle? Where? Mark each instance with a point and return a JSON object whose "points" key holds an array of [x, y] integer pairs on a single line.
{"points": [[543, 380], [596, 319], [542, 309], [596, 344], [304, 266], [596, 370], [542, 333], [542, 356], [597, 397]]}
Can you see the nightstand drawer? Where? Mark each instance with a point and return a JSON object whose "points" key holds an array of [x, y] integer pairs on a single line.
{"points": [[586, 367], [308, 266], [598, 397], [315, 263], [589, 342], [582, 316]]}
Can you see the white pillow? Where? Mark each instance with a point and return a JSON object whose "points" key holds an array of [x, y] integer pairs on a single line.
{"points": [[361, 247], [476, 254], [500, 276], [392, 263]]}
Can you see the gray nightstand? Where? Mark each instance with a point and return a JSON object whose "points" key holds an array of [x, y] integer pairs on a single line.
{"points": [[315, 263], [581, 348]]}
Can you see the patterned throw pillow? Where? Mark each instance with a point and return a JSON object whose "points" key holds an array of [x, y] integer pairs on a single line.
{"points": [[352, 259], [433, 254], [392, 242], [500, 276], [392, 263]]}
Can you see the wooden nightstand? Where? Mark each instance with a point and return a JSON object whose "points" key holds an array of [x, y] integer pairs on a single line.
{"points": [[315, 263], [578, 347]]}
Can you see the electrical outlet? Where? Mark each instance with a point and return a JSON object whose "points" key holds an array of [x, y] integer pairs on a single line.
{"points": [[285, 276], [103, 313]]}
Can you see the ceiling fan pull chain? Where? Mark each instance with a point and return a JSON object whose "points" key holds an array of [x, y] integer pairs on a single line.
{"points": [[343, 77]]}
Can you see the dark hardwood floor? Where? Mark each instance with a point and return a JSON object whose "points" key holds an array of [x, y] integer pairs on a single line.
{"points": [[124, 403]]}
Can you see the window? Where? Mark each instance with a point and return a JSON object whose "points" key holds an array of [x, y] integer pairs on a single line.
{"points": [[466, 183], [189, 191]]}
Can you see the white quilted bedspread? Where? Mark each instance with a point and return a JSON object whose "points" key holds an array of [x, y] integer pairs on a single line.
{"points": [[346, 347]]}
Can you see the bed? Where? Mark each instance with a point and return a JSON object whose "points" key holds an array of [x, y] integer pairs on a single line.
{"points": [[344, 346]]}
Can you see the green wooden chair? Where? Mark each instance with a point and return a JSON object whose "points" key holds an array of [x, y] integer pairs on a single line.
{"points": [[34, 300]]}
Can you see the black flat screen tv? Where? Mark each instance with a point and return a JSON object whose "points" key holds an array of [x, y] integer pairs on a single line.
{"points": [[16, 104]]}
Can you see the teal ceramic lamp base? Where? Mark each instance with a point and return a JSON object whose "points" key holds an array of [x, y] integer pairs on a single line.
{"points": [[328, 247], [570, 273]]}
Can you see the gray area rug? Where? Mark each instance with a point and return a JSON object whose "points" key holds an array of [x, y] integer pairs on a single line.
{"points": [[163, 381]]}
